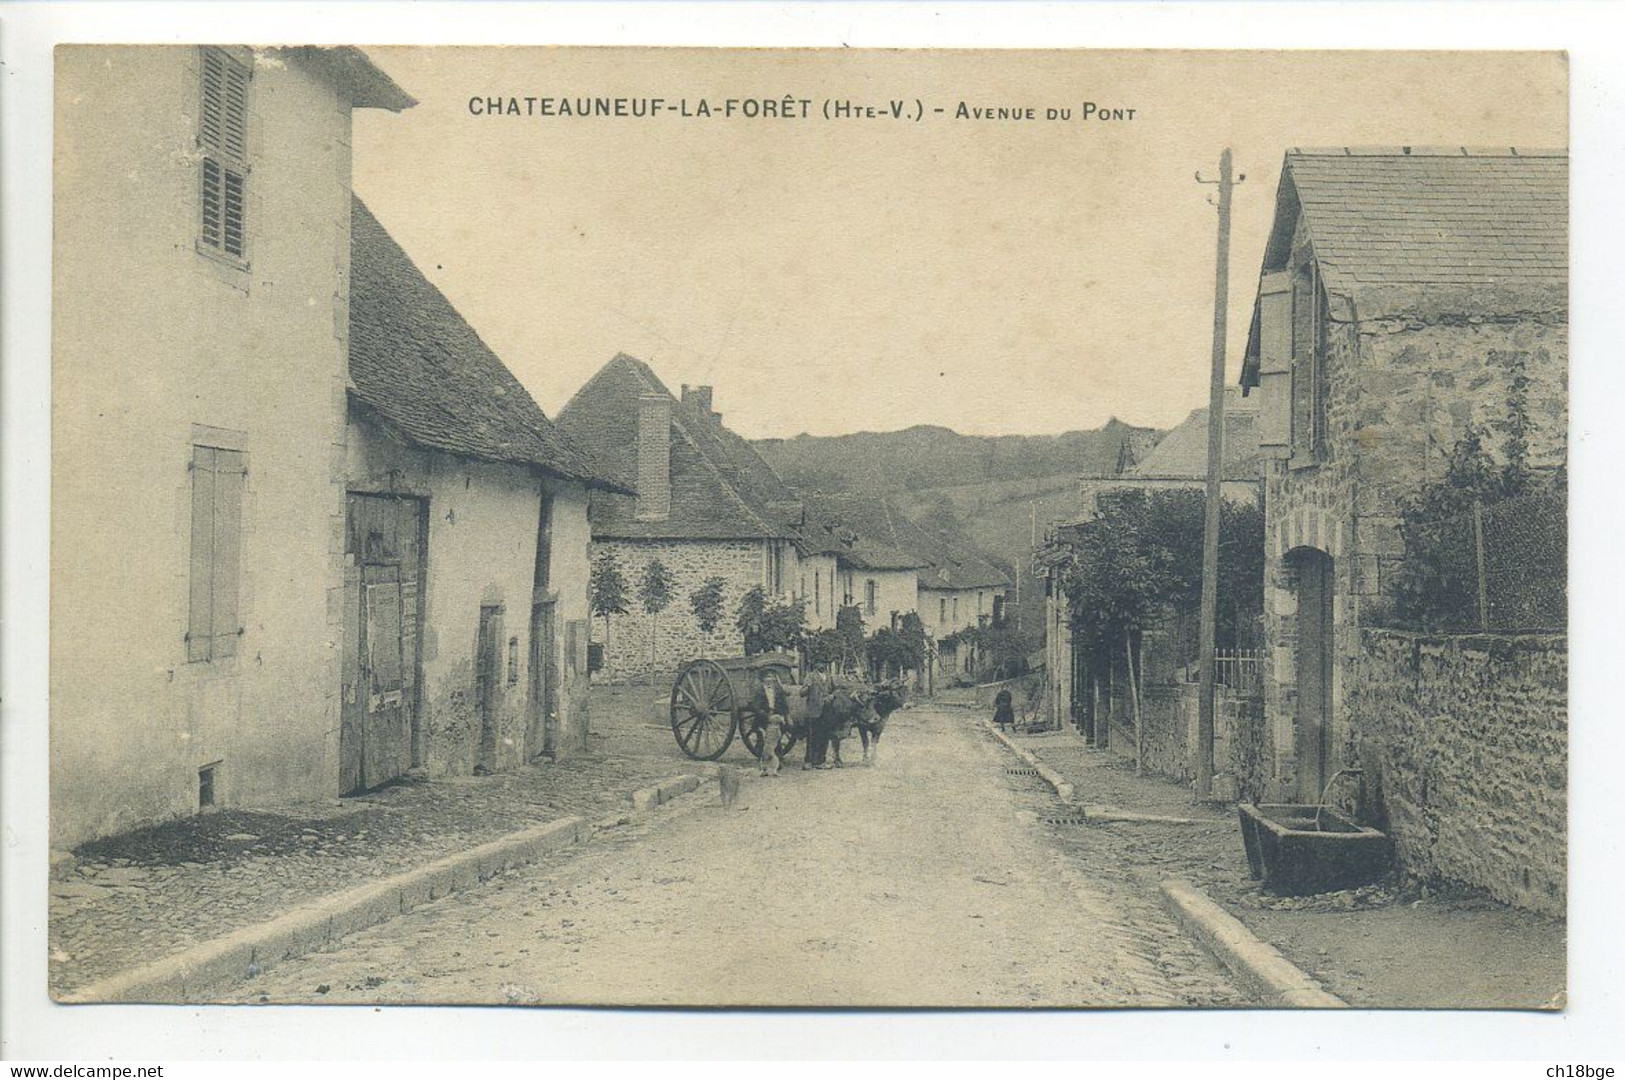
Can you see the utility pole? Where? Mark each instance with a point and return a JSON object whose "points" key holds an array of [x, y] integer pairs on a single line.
{"points": [[1215, 478]]}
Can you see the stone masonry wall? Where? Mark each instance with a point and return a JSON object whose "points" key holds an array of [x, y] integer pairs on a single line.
{"points": [[1169, 747], [740, 563], [1464, 742], [1400, 392]]}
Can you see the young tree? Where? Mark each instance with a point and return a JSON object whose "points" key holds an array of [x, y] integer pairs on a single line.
{"points": [[749, 616], [849, 625], [654, 594], [911, 629], [606, 589], [707, 605], [767, 626]]}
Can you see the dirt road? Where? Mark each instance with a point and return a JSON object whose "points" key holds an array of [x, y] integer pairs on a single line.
{"points": [[927, 880]]}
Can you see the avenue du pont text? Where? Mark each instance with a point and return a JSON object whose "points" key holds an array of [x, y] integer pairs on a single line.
{"points": [[790, 108]]}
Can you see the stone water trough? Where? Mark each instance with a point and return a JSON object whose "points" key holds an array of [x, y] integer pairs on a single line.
{"points": [[1301, 848]]}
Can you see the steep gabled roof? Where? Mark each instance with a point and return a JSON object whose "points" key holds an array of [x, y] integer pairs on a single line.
{"points": [[713, 495], [415, 363], [952, 563], [1182, 453], [1417, 232], [871, 534]]}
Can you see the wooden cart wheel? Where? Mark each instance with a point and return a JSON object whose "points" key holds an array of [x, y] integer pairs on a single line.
{"points": [[704, 710]]}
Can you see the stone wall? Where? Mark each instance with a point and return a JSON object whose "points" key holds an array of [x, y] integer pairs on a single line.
{"points": [[677, 637], [1400, 392], [1464, 742], [1169, 713]]}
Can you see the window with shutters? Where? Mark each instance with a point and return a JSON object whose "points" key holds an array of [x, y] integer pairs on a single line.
{"points": [[1308, 365], [213, 622], [223, 139]]}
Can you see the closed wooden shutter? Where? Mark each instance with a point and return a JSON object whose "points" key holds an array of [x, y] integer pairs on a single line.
{"points": [[199, 623], [1303, 361], [1275, 362], [223, 137], [225, 622], [213, 620]]}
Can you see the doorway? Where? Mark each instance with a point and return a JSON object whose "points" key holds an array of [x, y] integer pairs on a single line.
{"points": [[378, 730], [1314, 670]]}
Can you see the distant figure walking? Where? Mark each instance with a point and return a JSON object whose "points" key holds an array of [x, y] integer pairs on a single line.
{"points": [[1004, 713]]}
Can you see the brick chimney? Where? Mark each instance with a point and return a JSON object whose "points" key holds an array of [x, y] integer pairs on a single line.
{"points": [[654, 457]]}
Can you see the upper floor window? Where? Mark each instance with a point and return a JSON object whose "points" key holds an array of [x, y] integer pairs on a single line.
{"points": [[223, 139], [1308, 363], [871, 594]]}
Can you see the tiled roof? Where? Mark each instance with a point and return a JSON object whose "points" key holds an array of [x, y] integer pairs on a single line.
{"points": [[714, 495], [1182, 453], [1486, 228], [417, 365], [872, 534]]}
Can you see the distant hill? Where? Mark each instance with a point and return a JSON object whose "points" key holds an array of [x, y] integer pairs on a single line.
{"points": [[934, 457], [992, 490]]}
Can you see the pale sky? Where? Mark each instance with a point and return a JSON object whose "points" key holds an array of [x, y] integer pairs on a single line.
{"points": [[829, 276]]}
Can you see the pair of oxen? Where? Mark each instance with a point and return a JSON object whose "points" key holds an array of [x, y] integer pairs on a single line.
{"points": [[847, 705]]}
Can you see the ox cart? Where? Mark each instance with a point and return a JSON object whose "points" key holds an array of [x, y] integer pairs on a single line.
{"points": [[708, 699]]}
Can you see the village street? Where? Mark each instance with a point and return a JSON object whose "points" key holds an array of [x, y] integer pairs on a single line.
{"points": [[928, 880]]}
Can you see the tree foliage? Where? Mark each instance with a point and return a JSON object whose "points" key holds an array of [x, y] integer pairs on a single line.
{"points": [[1139, 559], [706, 602], [607, 587], [655, 587], [770, 625], [1436, 587]]}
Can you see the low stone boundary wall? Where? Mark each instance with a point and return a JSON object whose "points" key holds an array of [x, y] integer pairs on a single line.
{"points": [[1464, 742], [1169, 712]]}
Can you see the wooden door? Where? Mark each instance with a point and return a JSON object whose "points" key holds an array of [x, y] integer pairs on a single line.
{"points": [[378, 735], [1314, 674]]}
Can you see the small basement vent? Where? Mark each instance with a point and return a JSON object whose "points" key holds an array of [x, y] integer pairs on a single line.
{"points": [[205, 786]]}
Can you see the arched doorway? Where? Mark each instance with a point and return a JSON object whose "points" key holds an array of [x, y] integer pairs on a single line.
{"points": [[1314, 670]]}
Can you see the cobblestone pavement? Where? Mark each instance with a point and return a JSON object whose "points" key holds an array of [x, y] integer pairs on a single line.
{"points": [[137, 897], [1379, 946], [930, 879]]}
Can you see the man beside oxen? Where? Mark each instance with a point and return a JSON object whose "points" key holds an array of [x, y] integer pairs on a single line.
{"points": [[824, 711]]}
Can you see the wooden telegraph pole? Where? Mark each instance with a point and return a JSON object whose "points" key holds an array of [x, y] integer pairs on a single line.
{"points": [[1215, 478]]}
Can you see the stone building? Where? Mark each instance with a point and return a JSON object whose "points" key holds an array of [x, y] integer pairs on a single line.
{"points": [[1404, 295], [466, 539], [706, 506], [202, 221], [890, 566]]}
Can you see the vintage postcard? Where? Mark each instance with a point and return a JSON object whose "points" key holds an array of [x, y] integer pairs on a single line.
{"points": [[809, 528]]}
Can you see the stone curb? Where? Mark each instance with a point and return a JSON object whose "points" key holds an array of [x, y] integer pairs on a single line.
{"points": [[1256, 963], [664, 792], [1101, 813], [1063, 789], [226, 960]]}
